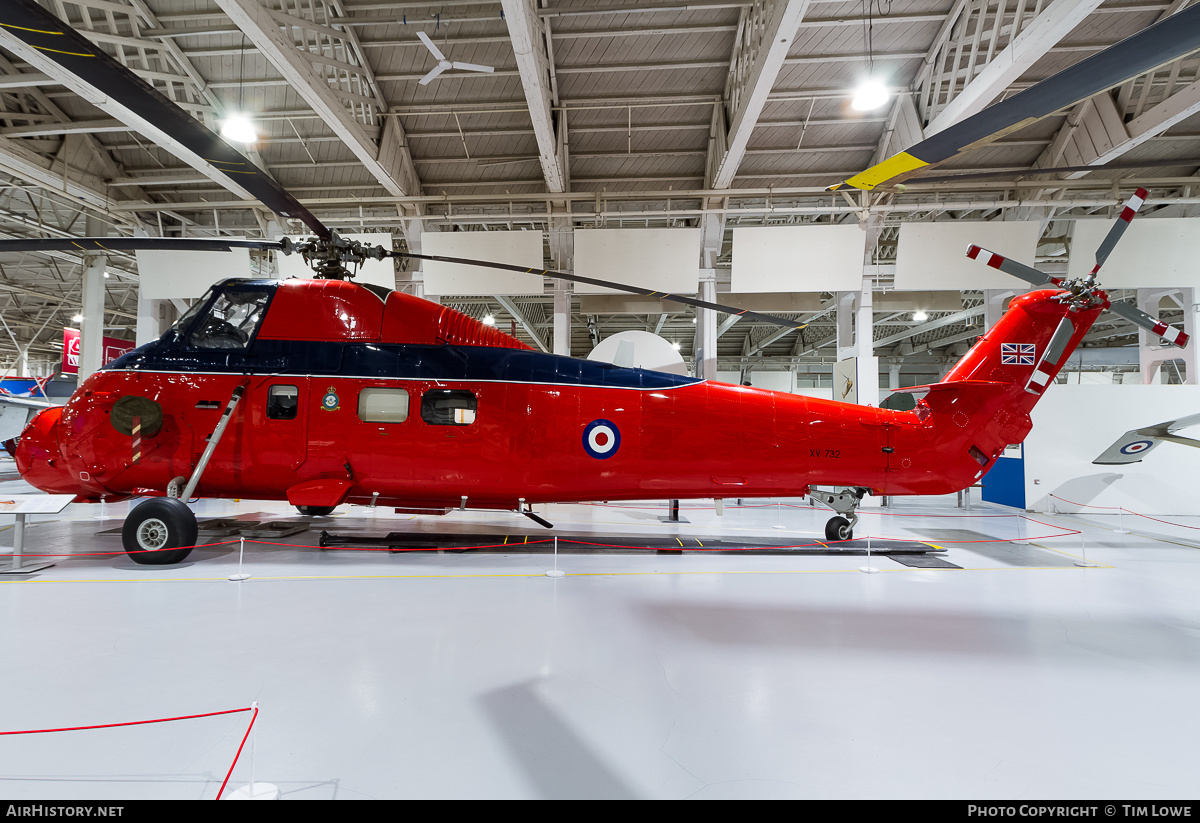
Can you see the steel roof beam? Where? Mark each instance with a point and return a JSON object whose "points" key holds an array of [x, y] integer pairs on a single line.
{"points": [[536, 68], [390, 163], [758, 56], [1037, 38]]}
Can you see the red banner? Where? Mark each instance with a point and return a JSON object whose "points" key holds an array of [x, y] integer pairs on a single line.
{"points": [[113, 348]]}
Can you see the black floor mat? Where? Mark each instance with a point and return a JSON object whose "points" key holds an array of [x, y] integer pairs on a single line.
{"points": [[923, 561]]}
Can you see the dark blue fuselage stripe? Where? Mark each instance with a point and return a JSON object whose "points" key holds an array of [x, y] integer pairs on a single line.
{"points": [[383, 360]]}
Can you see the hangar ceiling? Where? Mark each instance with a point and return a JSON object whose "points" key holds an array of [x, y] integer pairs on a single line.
{"points": [[599, 113]]}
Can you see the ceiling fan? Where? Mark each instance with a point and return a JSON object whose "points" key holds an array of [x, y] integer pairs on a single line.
{"points": [[444, 64]]}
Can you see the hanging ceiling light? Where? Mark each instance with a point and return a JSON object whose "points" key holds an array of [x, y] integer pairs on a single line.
{"points": [[237, 125], [239, 129], [489, 321], [920, 316], [871, 92]]}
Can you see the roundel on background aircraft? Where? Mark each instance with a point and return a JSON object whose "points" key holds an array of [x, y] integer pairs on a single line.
{"points": [[1136, 447], [601, 439]]}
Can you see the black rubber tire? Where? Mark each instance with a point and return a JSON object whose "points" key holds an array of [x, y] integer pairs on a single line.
{"points": [[315, 511], [838, 528], [155, 528]]}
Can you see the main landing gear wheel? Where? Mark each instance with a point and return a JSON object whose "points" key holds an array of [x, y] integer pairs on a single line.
{"points": [[839, 528], [156, 529], [315, 511]]}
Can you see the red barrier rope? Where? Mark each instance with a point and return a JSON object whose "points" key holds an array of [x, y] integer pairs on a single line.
{"points": [[1125, 510], [252, 707], [139, 551], [796, 506], [130, 723], [228, 774]]}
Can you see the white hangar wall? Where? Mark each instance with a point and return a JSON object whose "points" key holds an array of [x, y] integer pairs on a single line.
{"points": [[1073, 424]]}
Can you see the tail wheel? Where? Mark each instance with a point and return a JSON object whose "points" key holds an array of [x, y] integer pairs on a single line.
{"points": [[839, 528], [155, 531], [315, 511]]}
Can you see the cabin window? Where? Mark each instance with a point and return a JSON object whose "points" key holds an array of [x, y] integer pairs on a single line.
{"points": [[283, 402], [383, 405], [448, 407], [231, 321]]}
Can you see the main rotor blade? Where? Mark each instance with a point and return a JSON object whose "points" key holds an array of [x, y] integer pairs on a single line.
{"points": [[576, 278], [54, 40], [1162, 43], [429, 45], [136, 244], [1027, 273], [1118, 229], [1139, 318]]}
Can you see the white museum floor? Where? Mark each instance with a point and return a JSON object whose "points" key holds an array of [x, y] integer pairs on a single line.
{"points": [[637, 675]]}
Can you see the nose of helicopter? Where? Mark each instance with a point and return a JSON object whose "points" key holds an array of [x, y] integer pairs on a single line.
{"points": [[38, 456]]}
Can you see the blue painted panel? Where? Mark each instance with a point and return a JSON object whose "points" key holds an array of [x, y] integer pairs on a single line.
{"points": [[1005, 482]]}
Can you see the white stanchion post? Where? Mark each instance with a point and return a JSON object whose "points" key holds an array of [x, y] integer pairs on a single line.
{"points": [[778, 510], [1021, 538], [241, 551], [255, 790], [1084, 563], [1121, 521], [555, 572], [869, 569]]}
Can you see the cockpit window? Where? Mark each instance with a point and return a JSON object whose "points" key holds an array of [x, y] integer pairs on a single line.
{"points": [[183, 322], [231, 322]]}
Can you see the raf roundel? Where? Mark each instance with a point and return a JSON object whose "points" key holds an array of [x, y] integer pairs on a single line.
{"points": [[1136, 447], [601, 439]]}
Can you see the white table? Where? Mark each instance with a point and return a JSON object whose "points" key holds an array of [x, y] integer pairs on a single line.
{"points": [[22, 505]]}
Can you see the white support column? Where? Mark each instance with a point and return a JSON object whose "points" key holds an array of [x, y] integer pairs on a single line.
{"points": [[1151, 353], [150, 319], [706, 328], [562, 319], [993, 305], [23, 362], [844, 324], [414, 230], [91, 332], [864, 345]]}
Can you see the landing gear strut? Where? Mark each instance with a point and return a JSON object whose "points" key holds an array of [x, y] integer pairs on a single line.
{"points": [[162, 530], [845, 503]]}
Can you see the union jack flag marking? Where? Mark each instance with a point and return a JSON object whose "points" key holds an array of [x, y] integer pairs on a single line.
{"points": [[1017, 354]]}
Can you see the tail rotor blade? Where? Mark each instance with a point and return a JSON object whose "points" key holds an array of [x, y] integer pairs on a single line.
{"points": [[1139, 318], [1118, 229], [1027, 273], [429, 45]]}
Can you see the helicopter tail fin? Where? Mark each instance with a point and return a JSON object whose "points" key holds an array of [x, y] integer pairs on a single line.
{"points": [[986, 398]]}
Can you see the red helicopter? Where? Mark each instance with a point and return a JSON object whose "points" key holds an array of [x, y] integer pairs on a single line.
{"points": [[324, 392]]}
